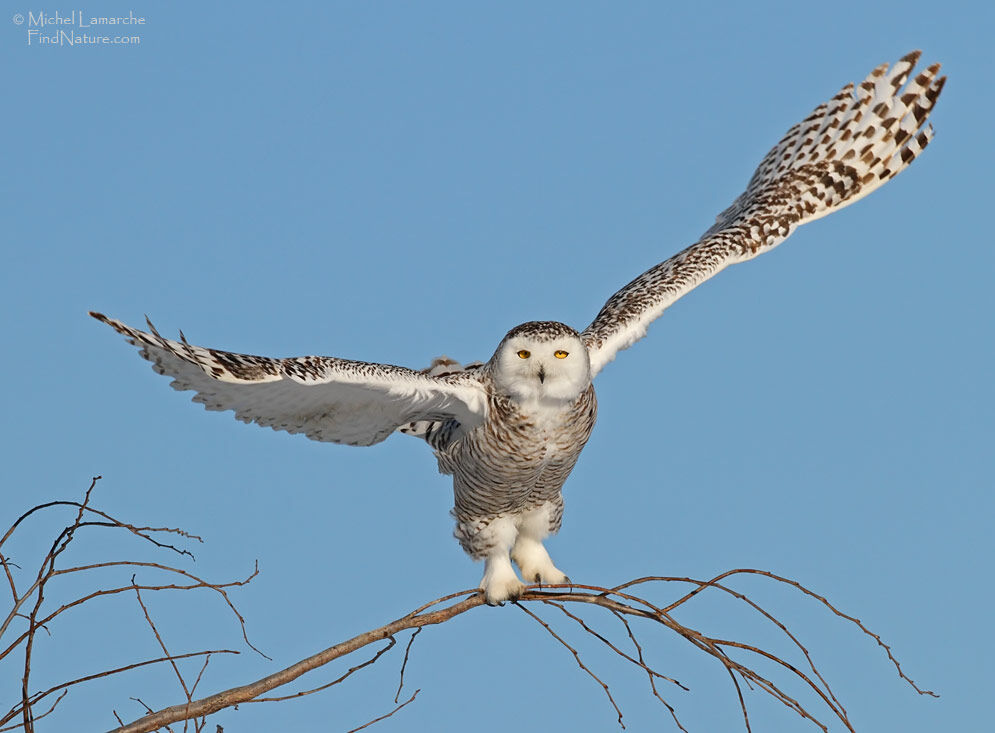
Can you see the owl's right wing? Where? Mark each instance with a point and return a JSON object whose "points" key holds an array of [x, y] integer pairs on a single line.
{"points": [[848, 147], [327, 399]]}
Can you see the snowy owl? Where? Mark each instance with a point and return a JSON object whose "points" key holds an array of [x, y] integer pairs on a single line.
{"points": [[510, 430]]}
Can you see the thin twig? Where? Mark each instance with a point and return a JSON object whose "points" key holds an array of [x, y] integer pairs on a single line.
{"points": [[577, 659], [39, 696], [158, 638], [794, 583], [203, 668], [44, 573], [6, 562], [36, 718], [650, 676], [404, 664], [384, 717], [217, 587], [61, 542], [638, 662]]}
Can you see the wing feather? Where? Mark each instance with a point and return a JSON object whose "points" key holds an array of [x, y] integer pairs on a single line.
{"points": [[849, 146], [327, 399]]}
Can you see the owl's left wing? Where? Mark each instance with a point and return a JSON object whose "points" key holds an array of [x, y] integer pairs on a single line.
{"points": [[844, 150], [327, 399]]}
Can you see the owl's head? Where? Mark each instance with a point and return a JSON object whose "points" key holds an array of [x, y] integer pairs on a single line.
{"points": [[541, 361]]}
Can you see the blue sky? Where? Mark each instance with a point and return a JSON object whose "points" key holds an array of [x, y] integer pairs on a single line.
{"points": [[390, 182]]}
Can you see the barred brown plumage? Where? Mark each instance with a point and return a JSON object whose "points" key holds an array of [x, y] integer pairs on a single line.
{"points": [[544, 456], [844, 150], [510, 430]]}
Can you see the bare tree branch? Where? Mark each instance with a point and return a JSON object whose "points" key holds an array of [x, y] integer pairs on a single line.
{"points": [[35, 597], [244, 693], [372, 660], [738, 658], [620, 603]]}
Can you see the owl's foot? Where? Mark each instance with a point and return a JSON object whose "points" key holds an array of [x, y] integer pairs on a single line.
{"points": [[500, 583], [534, 562]]}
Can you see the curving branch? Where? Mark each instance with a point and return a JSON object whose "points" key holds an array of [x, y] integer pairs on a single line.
{"points": [[617, 618], [619, 603]]}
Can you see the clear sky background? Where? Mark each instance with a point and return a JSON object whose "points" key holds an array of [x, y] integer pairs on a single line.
{"points": [[393, 181]]}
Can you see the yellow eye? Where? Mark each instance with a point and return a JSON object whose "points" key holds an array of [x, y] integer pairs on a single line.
{"points": [[560, 354], [523, 354]]}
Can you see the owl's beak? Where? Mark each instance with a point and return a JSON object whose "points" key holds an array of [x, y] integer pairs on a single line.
{"points": [[542, 374]]}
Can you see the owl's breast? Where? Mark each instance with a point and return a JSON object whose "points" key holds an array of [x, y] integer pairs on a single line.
{"points": [[520, 456]]}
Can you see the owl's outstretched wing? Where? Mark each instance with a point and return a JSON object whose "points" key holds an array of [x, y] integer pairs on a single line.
{"points": [[327, 399], [844, 150]]}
